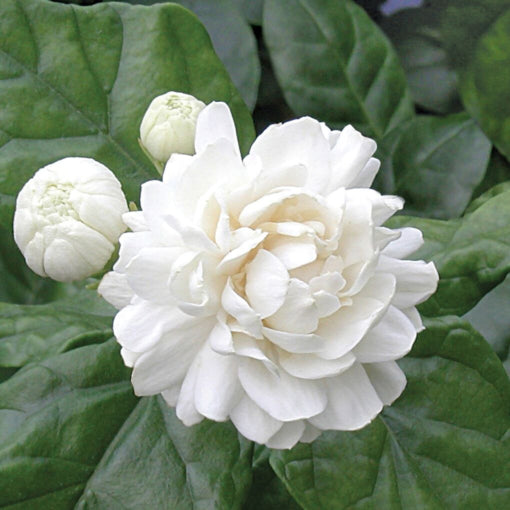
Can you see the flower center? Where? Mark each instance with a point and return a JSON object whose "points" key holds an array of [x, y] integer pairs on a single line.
{"points": [[55, 204]]}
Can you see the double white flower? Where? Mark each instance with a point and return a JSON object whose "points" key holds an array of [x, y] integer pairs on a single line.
{"points": [[266, 290]]}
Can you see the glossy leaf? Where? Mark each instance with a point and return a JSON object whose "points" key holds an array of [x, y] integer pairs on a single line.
{"points": [[443, 444], [76, 81], [71, 426], [491, 318], [416, 35], [485, 84], [435, 164], [471, 254], [333, 63], [232, 38], [33, 333]]}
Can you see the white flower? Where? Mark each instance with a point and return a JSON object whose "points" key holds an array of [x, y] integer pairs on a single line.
{"points": [[169, 124], [265, 290], [68, 219]]}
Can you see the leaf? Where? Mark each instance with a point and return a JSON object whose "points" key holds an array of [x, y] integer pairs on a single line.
{"points": [[471, 254], [435, 163], [72, 427], [251, 9], [485, 84], [498, 172], [33, 333], [76, 82], [491, 318], [416, 35], [463, 22], [232, 38], [267, 491], [335, 64], [443, 444]]}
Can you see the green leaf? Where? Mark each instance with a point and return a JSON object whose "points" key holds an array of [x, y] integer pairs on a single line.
{"points": [[435, 163], [72, 433], [251, 9], [267, 491], [335, 64], [236, 47], [416, 35], [443, 444], [485, 84], [33, 333], [498, 172], [76, 81], [463, 22], [491, 318], [471, 254]]}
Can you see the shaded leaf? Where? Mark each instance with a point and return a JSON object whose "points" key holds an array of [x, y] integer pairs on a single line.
{"points": [[416, 35], [485, 84], [333, 63], [87, 97], [251, 9], [443, 444], [72, 432], [32, 333], [435, 163]]}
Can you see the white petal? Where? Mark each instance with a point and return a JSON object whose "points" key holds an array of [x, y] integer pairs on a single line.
{"points": [[367, 175], [284, 397], [267, 280], [310, 434], [214, 122], [349, 157], [185, 409], [298, 343], [238, 308], [344, 329], [416, 280], [220, 339], [217, 388], [167, 363], [129, 357], [409, 241], [298, 142], [298, 314], [115, 289], [148, 273], [308, 366], [233, 260], [252, 422], [387, 379], [352, 401], [287, 436], [135, 220], [292, 252], [391, 338]]}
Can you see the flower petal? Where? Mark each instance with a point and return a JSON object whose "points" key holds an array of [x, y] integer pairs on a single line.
{"points": [[214, 122], [409, 241], [287, 436], [284, 397], [217, 388], [115, 289], [387, 379], [308, 366], [267, 280], [392, 338], [253, 422], [352, 401]]}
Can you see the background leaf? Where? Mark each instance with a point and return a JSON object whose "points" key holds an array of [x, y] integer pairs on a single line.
{"points": [[72, 427], [416, 35], [232, 38], [87, 97], [443, 444], [435, 163], [33, 333], [333, 63], [485, 84]]}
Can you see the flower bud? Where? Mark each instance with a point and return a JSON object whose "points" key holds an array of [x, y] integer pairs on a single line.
{"points": [[169, 124], [68, 219]]}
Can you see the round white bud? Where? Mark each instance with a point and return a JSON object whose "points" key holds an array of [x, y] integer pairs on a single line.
{"points": [[169, 125], [68, 219]]}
